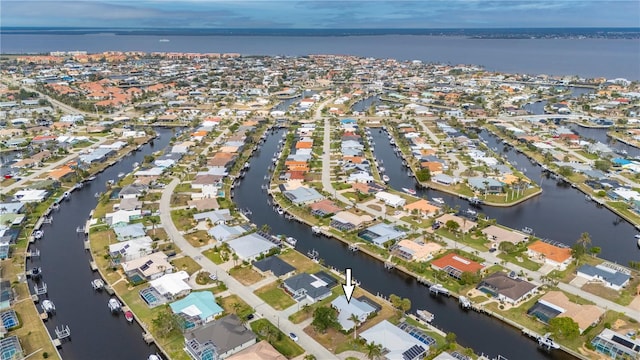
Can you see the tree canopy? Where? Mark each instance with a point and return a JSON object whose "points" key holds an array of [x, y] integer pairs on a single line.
{"points": [[564, 327], [325, 317]]}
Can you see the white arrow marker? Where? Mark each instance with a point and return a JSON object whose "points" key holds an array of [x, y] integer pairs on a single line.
{"points": [[348, 287]]}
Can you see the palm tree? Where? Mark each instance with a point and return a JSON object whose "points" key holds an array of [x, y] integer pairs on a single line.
{"points": [[154, 221], [584, 240], [356, 322], [374, 351], [235, 306]]}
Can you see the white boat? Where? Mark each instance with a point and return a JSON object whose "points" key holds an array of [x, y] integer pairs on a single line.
{"points": [[527, 230], [425, 315], [409, 191], [91, 178], [135, 165], [38, 234], [547, 342], [120, 174], [471, 212], [291, 240], [315, 229], [114, 305], [48, 306], [637, 236], [381, 169], [97, 284], [385, 178], [438, 200], [163, 40], [639, 243], [280, 211], [154, 357]]}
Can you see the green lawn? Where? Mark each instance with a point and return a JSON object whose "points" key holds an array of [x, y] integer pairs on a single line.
{"points": [[231, 302], [525, 263], [214, 256], [267, 331], [274, 296], [187, 264]]}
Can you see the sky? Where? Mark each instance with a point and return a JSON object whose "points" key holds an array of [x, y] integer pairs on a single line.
{"points": [[317, 14]]}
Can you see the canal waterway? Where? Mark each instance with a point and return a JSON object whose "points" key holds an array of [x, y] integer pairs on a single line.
{"points": [[561, 213], [95, 332], [600, 135], [480, 332]]}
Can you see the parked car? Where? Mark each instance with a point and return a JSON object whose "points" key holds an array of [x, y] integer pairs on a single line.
{"points": [[293, 336]]}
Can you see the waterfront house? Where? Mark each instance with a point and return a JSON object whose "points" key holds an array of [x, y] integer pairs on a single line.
{"points": [[30, 195], [455, 265], [397, 343], [346, 309], [223, 232], [423, 207], [381, 233], [220, 216], [274, 265], [465, 225], [303, 195], [614, 277], [346, 221], [122, 217], [558, 256], [172, 286], [260, 351], [507, 288], [616, 345], [132, 191], [11, 207], [307, 286], [147, 267], [390, 199], [444, 179], [415, 251], [203, 204], [130, 249], [324, 207], [96, 155], [128, 232], [496, 235], [557, 304], [61, 173], [485, 184], [197, 308], [218, 339], [250, 246]]}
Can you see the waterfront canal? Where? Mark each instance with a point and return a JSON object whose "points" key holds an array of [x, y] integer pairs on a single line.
{"points": [[480, 332], [560, 213], [95, 333]]}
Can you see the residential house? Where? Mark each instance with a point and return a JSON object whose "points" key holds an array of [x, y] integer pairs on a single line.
{"points": [[423, 207], [303, 195], [557, 304], [173, 285], [613, 277], [197, 308], [455, 265], [220, 216], [122, 216], [397, 343], [132, 191], [251, 246], [616, 345], [260, 351], [131, 249], [389, 199], [416, 251], [558, 256], [218, 339], [381, 233], [346, 221], [223, 232], [306, 286], [496, 235], [355, 307], [505, 288], [148, 267], [275, 266], [30, 195], [128, 232]]}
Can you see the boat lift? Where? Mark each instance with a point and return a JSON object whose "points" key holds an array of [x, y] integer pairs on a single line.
{"points": [[40, 290], [62, 333]]}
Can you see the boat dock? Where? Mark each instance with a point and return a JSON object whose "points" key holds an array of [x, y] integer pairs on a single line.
{"points": [[62, 332]]}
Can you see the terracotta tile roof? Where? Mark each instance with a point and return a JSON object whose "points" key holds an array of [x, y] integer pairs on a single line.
{"points": [[551, 252], [60, 172], [457, 262]]}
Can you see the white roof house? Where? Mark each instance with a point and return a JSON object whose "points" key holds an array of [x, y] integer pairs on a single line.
{"points": [[131, 249], [345, 309], [250, 246], [148, 267], [390, 199], [396, 341], [122, 216], [172, 285], [30, 195]]}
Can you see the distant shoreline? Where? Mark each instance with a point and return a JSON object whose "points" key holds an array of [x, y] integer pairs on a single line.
{"points": [[499, 33]]}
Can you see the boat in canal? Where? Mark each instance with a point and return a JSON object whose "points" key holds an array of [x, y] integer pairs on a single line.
{"points": [[385, 178], [129, 316], [154, 357], [409, 191], [316, 230], [114, 305], [438, 201], [425, 315], [48, 306], [527, 230], [97, 284], [121, 174], [38, 234], [547, 342], [291, 240]]}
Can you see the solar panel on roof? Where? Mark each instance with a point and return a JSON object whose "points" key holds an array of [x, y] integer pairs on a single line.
{"points": [[413, 352], [624, 342]]}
